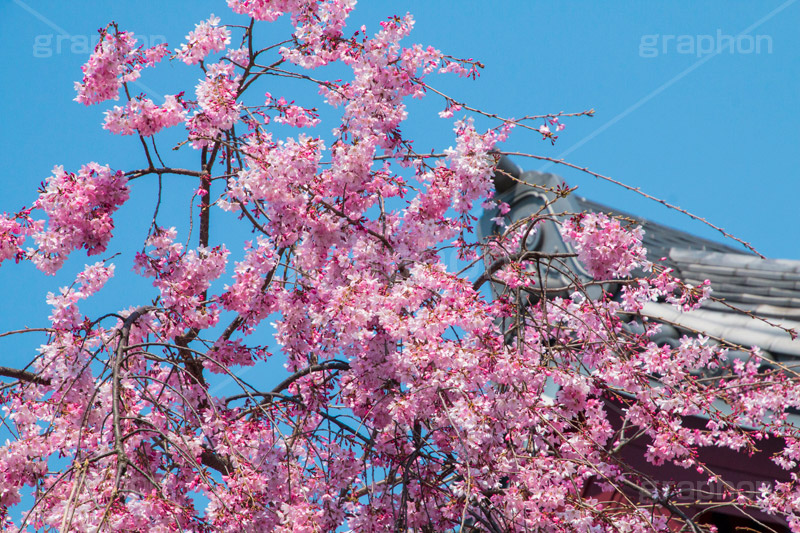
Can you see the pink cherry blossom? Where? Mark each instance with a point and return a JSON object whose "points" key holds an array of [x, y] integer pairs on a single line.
{"points": [[297, 116], [65, 315], [182, 277], [323, 341], [219, 110], [142, 117], [206, 38], [115, 60], [13, 230], [79, 208], [554, 121], [604, 246]]}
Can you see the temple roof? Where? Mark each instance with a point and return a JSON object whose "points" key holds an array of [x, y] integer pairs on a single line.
{"points": [[746, 284], [768, 288]]}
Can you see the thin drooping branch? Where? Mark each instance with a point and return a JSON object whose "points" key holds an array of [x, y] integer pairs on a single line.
{"points": [[521, 122], [116, 400], [640, 192], [328, 365], [521, 256], [179, 171], [27, 330]]}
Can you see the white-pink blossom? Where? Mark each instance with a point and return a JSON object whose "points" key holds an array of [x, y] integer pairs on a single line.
{"points": [[207, 37], [116, 59], [606, 248], [141, 116], [78, 208]]}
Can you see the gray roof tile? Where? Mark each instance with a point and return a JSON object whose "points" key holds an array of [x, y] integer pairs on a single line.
{"points": [[765, 287], [768, 288]]}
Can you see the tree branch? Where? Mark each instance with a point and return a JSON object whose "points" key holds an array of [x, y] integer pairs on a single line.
{"points": [[23, 375]]}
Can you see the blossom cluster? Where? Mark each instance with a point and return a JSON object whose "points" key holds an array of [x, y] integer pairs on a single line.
{"points": [[13, 230], [207, 37], [292, 115], [182, 277], [219, 109], [246, 296], [604, 246], [141, 116], [78, 208], [116, 59], [65, 315]]}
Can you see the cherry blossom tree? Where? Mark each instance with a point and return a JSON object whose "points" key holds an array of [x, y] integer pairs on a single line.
{"points": [[414, 398]]}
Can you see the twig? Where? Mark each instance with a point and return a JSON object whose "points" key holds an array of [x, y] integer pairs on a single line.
{"points": [[638, 191]]}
